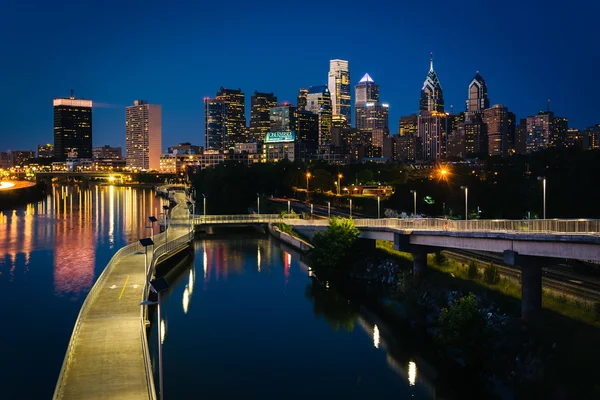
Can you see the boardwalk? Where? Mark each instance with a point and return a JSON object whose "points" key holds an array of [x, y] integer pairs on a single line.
{"points": [[106, 358]]}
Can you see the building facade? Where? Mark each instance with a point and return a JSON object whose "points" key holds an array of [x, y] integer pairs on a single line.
{"points": [[318, 101], [539, 131], [282, 118], [143, 135], [477, 100], [260, 106], [496, 120], [302, 99], [107, 152], [72, 128], [214, 127], [339, 86], [235, 116], [432, 95], [45, 151]]}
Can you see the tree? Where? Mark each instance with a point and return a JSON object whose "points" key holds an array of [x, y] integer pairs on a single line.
{"points": [[332, 247]]}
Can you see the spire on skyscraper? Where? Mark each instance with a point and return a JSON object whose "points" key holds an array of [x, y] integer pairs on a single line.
{"points": [[431, 61], [431, 94]]}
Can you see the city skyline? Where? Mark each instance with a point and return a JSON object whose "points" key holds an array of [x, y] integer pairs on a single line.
{"points": [[532, 69]]}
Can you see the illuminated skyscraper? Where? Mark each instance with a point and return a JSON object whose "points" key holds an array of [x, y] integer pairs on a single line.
{"points": [[339, 86], [318, 101], [302, 99], [261, 103], [282, 118], [143, 135], [478, 96], [234, 118], [214, 127], [539, 131], [432, 95], [72, 127], [496, 122], [366, 90]]}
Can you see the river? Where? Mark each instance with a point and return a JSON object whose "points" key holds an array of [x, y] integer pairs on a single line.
{"points": [[242, 319]]}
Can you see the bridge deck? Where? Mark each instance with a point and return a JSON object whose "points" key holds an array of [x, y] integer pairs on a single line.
{"points": [[107, 355]]}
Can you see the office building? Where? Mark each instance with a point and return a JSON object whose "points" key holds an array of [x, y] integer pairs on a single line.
{"points": [[307, 134], [318, 101], [45, 151], [72, 127], [496, 120], [408, 132], [214, 126], [339, 86], [539, 131], [279, 146], [477, 100], [430, 143], [107, 152], [260, 105], [143, 136], [302, 99], [282, 118], [366, 90], [235, 116], [432, 95], [591, 137], [185, 148]]}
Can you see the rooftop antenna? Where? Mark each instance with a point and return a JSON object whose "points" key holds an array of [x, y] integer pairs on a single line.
{"points": [[72, 94]]}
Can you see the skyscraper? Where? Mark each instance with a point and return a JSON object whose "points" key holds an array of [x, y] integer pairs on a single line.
{"points": [[539, 131], [366, 90], [478, 96], [282, 118], [432, 95], [214, 127], [370, 114], [143, 135], [234, 119], [496, 120], [260, 104], [339, 86], [318, 101], [72, 127], [408, 130], [302, 94]]}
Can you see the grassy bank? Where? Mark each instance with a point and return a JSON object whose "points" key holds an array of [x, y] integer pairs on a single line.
{"points": [[556, 303]]}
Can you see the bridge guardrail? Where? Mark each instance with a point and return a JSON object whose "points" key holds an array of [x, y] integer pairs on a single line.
{"points": [[250, 218]]}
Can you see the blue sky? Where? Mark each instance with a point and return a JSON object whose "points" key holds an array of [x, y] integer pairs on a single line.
{"points": [[174, 54]]}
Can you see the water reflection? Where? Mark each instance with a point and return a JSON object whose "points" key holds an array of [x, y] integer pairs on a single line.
{"points": [[337, 310]]}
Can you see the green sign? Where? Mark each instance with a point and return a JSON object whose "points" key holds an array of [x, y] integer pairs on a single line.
{"points": [[277, 137], [428, 200]]}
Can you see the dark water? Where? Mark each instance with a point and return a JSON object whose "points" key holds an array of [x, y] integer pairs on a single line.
{"points": [[50, 255], [243, 320]]}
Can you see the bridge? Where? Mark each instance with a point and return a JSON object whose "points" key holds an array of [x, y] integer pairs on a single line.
{"points": [[524, 243], [107, 356]]}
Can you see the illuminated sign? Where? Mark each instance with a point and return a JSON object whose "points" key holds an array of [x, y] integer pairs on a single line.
{"points": [[277, 137]]}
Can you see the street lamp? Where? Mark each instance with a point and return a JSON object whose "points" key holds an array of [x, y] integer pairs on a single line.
{"points": [[165, 209], [328, 209], [289, 207], [378, 207], [157, 286], [311, 210], [339, 183], [543, 179], [258, 203], [414, 192], [350, 208], [204, 201], [145, 242], [152, 220], [466, 189], [308, 175]]}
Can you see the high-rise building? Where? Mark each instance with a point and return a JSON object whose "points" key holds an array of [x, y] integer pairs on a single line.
{"points": [[234, 118], [260, 104], [107, 152], [318, 101], [302, 96], [496, 123], [143, 135], [512, 126], [478, 96], [539, 131], [521, 137], [307, 133], [72, 128], [45, 151], [574, 139], [366, 90], [432, 95], [408, 131], [560, 128], [475, 135], [214, 126], [591, 137], [282, 118], [339, 86], [431, 137]]}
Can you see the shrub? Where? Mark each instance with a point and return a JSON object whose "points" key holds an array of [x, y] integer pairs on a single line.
{"points": [[439, 258], [491, 274], [472, 270], [333, 245], [463, 325]]}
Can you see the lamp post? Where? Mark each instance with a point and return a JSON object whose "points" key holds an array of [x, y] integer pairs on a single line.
{"points": [[289, 207], [157, 286], [543, 179], [378, 207], [466, 189], [350, 208], [308, 175], [204, 204], [328, 209], [152, 220], [339, 183], [414, 192], [145, 242], [165, 209], [311, 210], [258, 203]]}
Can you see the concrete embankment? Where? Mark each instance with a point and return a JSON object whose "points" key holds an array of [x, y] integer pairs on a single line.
{"points": [[295, 242]]}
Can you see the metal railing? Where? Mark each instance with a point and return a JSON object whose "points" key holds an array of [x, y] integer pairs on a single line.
{"points": [[547, 226], [242, 218], [92, 295]]}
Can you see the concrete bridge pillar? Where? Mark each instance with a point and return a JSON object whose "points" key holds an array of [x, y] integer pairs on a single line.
{"points": [[419, 265], [531, 282]]}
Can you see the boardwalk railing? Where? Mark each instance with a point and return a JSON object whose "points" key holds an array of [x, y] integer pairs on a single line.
{"points": [[548, 226], [123, 252], [242, 218]]}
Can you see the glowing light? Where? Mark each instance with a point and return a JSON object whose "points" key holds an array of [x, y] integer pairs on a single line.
{"points": [[191, 282], [258, 258], [289, 259], [376, 337], [163, 331], [412, 373], [186, 300], [205, 262], [6, 185], [111, 178]]}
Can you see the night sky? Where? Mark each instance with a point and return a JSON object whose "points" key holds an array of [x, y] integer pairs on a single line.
{"points": [[174, 54]]}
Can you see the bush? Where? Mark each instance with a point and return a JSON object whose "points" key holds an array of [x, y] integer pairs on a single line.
{"points": [[333, 245], [439, 258], [463, 326], [472, 270], [491, 274]]}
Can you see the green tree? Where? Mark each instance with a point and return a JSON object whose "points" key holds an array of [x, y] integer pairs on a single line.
{"points": [[332, 247]]}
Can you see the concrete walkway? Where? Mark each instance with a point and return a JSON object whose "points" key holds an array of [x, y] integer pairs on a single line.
{"points": [[107, 358]]}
